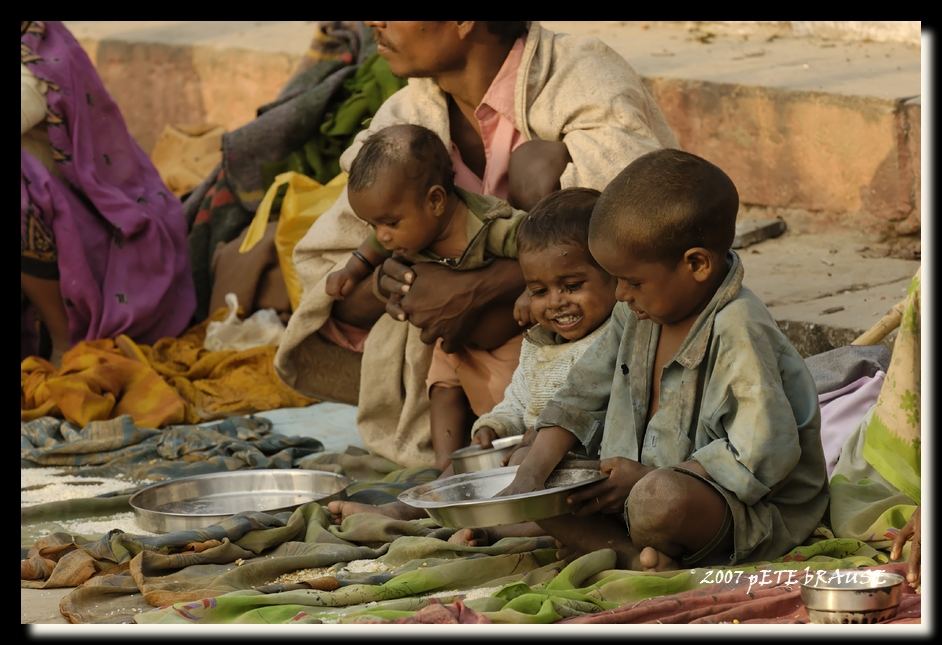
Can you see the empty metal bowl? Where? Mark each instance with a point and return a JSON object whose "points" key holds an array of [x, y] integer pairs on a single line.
{"points": [[474, 458], [468, 500], [203, 500], [846, 596]]}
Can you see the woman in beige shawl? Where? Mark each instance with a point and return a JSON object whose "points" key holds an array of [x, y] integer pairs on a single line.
{"points": [[566, 88]]}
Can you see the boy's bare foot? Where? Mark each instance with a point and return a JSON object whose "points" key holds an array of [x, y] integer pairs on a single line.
{"points": [[650, 559], [341, 510], [470, 537]]}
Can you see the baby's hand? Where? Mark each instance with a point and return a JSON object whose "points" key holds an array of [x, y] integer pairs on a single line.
{"points": [[340, 283], [516, 457], [484, 436], [522, 310]]}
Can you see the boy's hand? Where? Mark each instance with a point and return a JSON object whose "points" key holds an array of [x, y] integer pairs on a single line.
{"points": [[522, 310], [341, 283], [484, 436], [913, 529], [609, 496]]}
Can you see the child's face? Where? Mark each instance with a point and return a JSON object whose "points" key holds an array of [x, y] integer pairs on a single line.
{"points": [[568, 293], [406, 219], [667, 294]]}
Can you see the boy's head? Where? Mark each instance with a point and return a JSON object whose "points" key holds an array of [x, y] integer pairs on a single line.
{"points": [[400, 182], [663, 227], [534, 171], [569, 293]]}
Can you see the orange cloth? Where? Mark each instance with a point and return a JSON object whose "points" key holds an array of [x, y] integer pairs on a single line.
{"points": [[482, 374], [173, 381]]}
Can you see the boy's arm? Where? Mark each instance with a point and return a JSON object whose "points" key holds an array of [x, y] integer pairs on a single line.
{"points": [[747, 406], [579, 405]]}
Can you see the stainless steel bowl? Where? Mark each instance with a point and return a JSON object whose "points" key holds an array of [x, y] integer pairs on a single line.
{"points": [[467, 500], [202, 500], [474, 458], [846, 596]]}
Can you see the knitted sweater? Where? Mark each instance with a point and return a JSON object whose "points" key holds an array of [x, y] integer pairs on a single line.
{"points": [[543, 368]]}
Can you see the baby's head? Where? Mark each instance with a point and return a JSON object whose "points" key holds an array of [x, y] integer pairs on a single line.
{"points": [[569, 293], [663, 228], [400, 183]]}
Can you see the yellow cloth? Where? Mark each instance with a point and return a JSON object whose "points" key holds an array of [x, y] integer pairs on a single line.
{"points": [[96, 382], [186, 153], [304, 201], [173, 381]]}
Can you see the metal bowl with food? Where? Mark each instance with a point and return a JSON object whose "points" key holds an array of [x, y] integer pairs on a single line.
{"points": [[474, 458], [203, 500], [468, 500], [845, 596]]}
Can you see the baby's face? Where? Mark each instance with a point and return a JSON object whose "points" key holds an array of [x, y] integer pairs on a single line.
{"points": [[666, 293], [405, 222], [568, 293]]}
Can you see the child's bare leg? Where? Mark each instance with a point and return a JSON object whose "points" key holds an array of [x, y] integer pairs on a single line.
{"points": [[672, 514], [341, 510], [580, 535], [488, 536], [449, 412]]}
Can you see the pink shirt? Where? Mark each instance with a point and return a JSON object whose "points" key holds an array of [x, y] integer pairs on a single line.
{"points": [[495, 117]]}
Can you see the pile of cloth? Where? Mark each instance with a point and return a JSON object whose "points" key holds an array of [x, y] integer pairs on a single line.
{"points": [[375, 569]]}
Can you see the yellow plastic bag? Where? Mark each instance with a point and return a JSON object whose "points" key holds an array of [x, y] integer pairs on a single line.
{"points": [[305, 201]]}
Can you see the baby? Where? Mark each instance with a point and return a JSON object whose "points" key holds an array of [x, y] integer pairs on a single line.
{"points": [[570, 300], [402, 183]]}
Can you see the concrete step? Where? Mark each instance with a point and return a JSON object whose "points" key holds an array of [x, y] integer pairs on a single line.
{"points": [[822, 133]]}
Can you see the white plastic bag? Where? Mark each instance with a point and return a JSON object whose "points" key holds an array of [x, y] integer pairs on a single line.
{"points": [[261, 328]]}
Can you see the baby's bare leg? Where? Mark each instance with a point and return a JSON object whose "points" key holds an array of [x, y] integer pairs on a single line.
{"points": [[488, 536]]}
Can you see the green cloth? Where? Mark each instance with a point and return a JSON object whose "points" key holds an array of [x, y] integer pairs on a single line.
{"points": [[875, 486], [533, 586], [118, 447], [348, 112]]}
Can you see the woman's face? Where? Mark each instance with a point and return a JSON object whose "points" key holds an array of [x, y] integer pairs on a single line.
{"points": [[417, 48]]}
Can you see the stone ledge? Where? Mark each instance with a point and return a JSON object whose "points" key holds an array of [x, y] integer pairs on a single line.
{"points": [[830, 129]]}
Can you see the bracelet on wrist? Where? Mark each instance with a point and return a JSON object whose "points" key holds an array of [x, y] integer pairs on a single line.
{"points": [[362, 258]]}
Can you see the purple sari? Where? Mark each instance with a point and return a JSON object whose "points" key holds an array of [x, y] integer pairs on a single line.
{"points": [[120, 236]]}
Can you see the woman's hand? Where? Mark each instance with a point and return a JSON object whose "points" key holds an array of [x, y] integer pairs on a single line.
{"points": [[608, 496], [912, 530]]}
